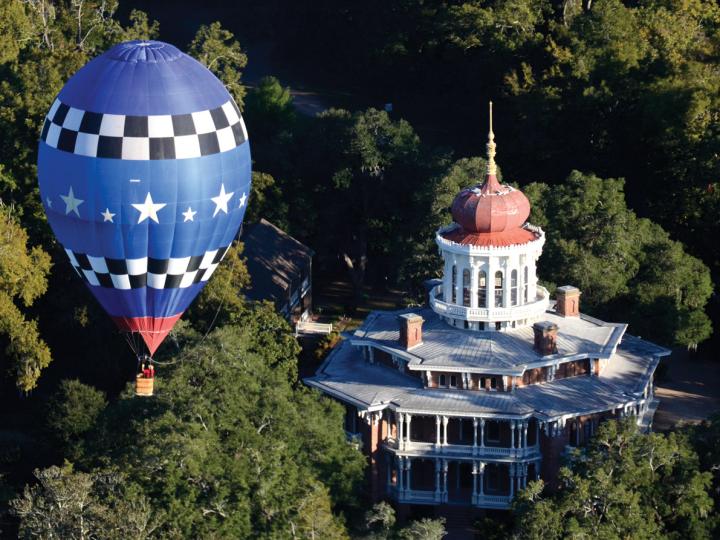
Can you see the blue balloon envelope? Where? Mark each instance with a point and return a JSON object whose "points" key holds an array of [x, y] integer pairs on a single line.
{"points": [[144, 172]]}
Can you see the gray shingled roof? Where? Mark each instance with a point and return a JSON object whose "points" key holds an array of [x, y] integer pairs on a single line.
{"points": [[275, 260], [347, 376], [507, 352]]}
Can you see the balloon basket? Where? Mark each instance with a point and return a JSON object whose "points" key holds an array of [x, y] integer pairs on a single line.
{"points": [[143, 386]]}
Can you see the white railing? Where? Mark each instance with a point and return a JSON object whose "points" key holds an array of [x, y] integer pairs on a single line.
{"points": [[493, 501], [308, 327], [462, 449], [430, 496], [525, 311], [471, 249]]}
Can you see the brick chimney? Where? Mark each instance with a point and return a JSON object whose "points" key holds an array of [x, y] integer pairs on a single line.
{"points": [[545, 337], [410, 330], [567, 301]]}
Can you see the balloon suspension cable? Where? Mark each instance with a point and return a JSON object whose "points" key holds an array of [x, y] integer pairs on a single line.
{"points": [[210, 326]]}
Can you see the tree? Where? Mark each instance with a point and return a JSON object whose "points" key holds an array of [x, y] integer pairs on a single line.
{"points": [[23, 278], [625, 485], [380, 524], [73, 411], [76, 505], [627, 268], [218, 49], [372, 164], [266, 201], [229, 446]]}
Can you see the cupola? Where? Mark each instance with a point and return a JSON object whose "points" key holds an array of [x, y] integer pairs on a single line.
{"points": [[491, 213]]}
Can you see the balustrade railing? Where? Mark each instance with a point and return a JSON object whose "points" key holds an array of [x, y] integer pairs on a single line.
{"points": [[525, 311], [462, 449]]}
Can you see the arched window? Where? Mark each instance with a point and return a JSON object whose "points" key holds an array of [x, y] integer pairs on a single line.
{"points": [[499, 289], [442, 381], [525, 285], [482, 289], [453, 381], [454, 284], [513, 288], [466, 287]]}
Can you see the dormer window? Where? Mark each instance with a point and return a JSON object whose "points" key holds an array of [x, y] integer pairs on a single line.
{"points": [[443, 380], [453, 381], [493, 383]]}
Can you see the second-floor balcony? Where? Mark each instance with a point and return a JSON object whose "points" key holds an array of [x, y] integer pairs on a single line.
{"points": [[529, 310], [440, 435], [459, 450]]}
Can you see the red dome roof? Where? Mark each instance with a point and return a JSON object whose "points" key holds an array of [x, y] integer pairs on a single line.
{"points": [[490, 214], [490, 208]]}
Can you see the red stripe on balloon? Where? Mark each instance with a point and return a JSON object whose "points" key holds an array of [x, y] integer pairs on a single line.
{"points": [[152, 329]]}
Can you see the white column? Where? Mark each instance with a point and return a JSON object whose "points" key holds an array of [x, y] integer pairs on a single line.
{"points": [[372, 354], [473, 286], [445, 482], [475, 442], [511, 467], [577, 432], [458, 283], [438, 442], [409, 473], [474, 482], [401, 431], [481, 479], [407, 429], [512, 433], [482, 433], [524, 433], [438, 491], [447, 279], [401, 473], [506, 284], [445, 424], [492, 268]]}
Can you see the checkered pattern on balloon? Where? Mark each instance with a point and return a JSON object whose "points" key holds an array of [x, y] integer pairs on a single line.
{"points": [[144, 172]]}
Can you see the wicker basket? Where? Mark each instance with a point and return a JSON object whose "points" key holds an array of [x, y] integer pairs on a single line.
{"points": [[143, 386]]}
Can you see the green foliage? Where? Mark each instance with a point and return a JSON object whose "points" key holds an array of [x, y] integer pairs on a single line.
{"points": [[75, 505], [73, 411], [627, 268], [380, 524], [229, 447], [266, 201], [218, 49], [326, 344], [23, 278], [625, 485]]}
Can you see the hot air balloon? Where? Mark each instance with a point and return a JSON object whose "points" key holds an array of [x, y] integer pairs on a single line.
{"points": [[144, 173]]}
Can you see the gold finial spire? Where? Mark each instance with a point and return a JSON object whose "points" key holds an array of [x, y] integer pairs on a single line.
{"points": [[491, 166]]}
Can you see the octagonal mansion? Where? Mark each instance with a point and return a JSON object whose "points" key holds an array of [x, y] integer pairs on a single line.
{"points": [[466, 399]]}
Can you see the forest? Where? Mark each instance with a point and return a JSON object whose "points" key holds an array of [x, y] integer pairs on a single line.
{"points": [[608, 118]]}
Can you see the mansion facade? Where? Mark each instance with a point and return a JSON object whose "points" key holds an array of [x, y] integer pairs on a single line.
{"points": [[465, 400]]}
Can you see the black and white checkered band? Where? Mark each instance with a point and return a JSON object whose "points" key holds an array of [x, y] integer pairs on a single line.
{"points": [[120, 136], [146, 272]]}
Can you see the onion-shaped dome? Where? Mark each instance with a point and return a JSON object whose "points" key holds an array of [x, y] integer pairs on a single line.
{"points": [[491, 214]]}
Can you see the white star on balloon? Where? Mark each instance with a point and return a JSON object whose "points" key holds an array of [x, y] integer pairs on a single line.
{"points": [[149, 209], [189, 214], [221, 201], [71, 203], [243, 199], [107, 215]]}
